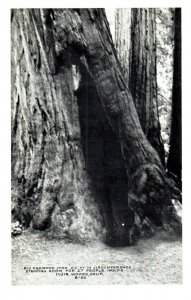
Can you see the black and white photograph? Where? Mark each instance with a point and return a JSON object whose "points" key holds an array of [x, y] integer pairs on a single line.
{"points": [[96, 146]]}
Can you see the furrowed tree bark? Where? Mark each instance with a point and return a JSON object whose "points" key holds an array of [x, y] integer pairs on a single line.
{"points": [[48, 167], [143, 74], [47, 144], [174, 164]]}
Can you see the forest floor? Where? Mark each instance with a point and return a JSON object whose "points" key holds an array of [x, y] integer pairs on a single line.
{"points": [[157, 260]]}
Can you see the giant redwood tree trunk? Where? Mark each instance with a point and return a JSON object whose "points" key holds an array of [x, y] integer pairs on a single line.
{"points": [[143, 74], [49, 150], [48, 167], [174, 164]]}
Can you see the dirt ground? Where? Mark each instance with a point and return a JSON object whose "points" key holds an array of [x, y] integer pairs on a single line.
{"points": [[157, 260]]}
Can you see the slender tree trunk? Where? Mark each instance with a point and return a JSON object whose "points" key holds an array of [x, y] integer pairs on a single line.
{"points": [[47, 146], [143, 75], [122, 38], [174, 164]]}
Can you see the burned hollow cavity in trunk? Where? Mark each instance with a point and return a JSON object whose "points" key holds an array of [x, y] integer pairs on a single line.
{"points": [[104, 162]]}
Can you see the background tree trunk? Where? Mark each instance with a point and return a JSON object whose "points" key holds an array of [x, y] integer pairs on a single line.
{"points": [[174, 164], [122, 38], [48, 145], [143, 75]]}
